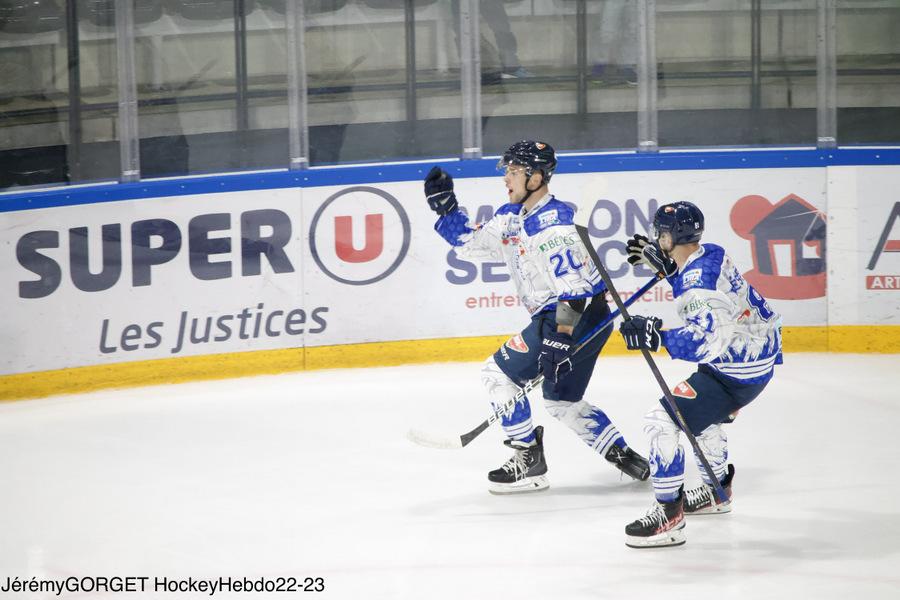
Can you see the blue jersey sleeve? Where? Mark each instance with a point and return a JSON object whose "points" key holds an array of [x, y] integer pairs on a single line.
{"points": [[453, 226]]}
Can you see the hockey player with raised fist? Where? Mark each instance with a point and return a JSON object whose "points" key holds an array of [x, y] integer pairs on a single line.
{"points": [[730, 330], [534, 234]]}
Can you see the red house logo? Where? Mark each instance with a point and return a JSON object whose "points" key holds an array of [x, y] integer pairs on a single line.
{"points": [[792, 229]]}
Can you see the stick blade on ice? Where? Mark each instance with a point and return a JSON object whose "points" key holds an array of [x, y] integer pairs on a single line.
{"points": [[427, 440]]}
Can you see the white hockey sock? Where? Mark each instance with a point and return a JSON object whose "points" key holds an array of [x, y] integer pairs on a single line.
{"points": [[589, 422], [666, 454]]}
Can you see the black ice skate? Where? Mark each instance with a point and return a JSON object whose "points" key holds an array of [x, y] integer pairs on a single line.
{"points": [[629, 462], [703, 500], [525, 471], [663, 525]]}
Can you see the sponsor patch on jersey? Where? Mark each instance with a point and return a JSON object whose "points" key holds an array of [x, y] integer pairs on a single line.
{"points": [[517, 344], [684, 390], [691, 278], [559, 241], [551, 217], [696, 305]]}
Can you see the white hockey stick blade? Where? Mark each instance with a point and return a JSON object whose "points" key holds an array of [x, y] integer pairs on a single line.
{"points": [[596, 188], [423, 438]]}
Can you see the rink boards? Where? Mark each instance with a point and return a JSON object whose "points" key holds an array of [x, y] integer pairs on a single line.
{"points": [[263, 273]]}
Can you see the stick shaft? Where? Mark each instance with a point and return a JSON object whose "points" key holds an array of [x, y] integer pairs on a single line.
{"points": [[667, 395], [532, 384]]}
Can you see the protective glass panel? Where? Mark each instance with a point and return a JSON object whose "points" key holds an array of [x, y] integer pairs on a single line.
{"points": [[211, 87], [868, 77], [383, 81], [735, 72], [553, 71], [58, 94], [265, 137], [612, 55]]}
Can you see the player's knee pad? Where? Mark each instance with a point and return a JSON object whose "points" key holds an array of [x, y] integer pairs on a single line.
{"points": [[714, 444], [495, 381], [499, 387], [663, 434]]}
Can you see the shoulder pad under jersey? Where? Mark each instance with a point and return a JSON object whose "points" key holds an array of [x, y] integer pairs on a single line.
{"points": [[508, 208], [702, 272], [552, 213]]}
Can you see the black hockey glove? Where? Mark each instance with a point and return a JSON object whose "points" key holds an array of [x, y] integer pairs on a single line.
{"points": [[642, 250], [641, 332], [556, 355], [439, 191]]}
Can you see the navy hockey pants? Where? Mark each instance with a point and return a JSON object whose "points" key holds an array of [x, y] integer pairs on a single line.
{"points": [[708, 397], [519, 357]]}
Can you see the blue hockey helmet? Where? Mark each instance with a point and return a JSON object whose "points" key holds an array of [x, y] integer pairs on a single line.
{"points": [[682, 220], [534, 156]]}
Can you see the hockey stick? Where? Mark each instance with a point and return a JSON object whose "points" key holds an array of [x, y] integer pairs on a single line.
{"points": [[670, 400], [423, 438]]}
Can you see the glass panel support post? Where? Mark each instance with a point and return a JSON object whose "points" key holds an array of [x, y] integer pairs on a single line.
{"points": [[648, 126], [298, 119], [73, 65], [826, 75], [470, 78], [756, 57], [581, 59], [129, 140], [241, 85]]}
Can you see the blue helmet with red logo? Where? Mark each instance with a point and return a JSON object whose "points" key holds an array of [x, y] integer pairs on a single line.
{"points": [[682, 220]]}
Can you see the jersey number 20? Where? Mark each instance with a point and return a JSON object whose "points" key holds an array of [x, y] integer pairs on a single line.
{"points": [[563, 262]]}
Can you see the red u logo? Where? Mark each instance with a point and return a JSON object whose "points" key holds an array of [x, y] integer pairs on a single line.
{"points": [[343, 239]]}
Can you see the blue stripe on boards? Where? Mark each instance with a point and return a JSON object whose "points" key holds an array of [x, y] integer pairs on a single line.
{"points": [[416, 171]]}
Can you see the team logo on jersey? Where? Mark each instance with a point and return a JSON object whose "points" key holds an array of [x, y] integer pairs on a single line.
{"points": [[517, 344], [684, 390], [787, 240], [691, 278], [546, 219]]}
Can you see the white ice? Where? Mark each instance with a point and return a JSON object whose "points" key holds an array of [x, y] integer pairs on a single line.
{"points": [[310, 475]]}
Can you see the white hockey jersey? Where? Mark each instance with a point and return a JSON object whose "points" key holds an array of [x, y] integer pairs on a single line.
{"points": [[728, 324], [545, 256]]}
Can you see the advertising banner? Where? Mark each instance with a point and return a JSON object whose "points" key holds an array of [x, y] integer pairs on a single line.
{"points": [[258, 270], [878, 199]]}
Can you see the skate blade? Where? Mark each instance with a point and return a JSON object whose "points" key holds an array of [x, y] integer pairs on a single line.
{"points": [[529, 485], [719, 509], [675, 537]]}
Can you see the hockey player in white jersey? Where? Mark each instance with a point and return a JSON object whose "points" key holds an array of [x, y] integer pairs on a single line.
{"points": [[730, 330], [534, 234]]}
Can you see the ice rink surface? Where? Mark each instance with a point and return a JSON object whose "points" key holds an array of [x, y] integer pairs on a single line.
{"points": [[310, 475]]}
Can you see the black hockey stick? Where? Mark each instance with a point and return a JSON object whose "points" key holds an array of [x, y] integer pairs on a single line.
{"points": [[670, 400], [428, 440]]}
